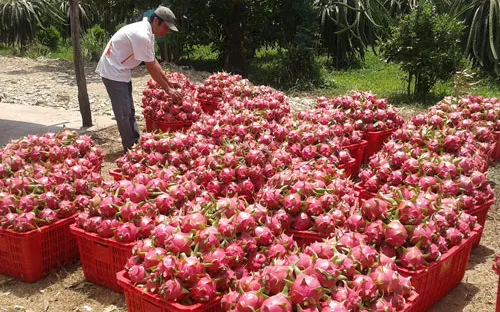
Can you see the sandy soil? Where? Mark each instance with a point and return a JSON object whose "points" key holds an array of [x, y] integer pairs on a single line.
{"points": [[66, 290]]}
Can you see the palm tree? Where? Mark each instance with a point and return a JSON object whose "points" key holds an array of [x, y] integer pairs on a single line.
{"points": [[20, 18], [350, 26], [483, 34], [87, 13]]}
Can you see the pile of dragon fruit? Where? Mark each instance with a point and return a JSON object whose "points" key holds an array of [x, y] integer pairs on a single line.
{"points": [[158, 105], [438, 154], [130, 209], [216, 212], [365, 111], [194, 257], [265, 101], [155, 153], [223, 87], [308, 199], [471, 108], [401, 165], [230, 247], [47, 178], [340, 274], [416, 227]]}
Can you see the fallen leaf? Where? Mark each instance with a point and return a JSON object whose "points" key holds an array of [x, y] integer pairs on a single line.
{"points": [[80, 286]]}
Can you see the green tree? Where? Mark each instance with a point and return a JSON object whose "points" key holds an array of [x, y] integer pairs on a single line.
{"points": [[93, 43], [483, 34], [49, 37], [19, 19], [301, 41], [349, 27], [427, 46]]}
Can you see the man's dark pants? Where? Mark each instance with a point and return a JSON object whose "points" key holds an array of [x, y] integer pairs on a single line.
{"points": [[120, 94]]}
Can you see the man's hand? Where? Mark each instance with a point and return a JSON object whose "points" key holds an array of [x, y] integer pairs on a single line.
{"points": [[176, 95], [175, 85], [159, 76]]}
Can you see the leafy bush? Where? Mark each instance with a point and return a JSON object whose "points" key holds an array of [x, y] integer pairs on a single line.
{"points": [[117, 27], [300, 68], [37, 49], [49, 37], [426, 45], [93, 43], [20, 19]]}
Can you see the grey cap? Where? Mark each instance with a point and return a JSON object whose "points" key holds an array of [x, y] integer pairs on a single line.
{"points": [[167, 16]]}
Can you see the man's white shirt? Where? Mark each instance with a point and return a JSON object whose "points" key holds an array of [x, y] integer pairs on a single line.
{"points": [[129, 46]]}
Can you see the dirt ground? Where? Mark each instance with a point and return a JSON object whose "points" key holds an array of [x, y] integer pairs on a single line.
{"points": [[66, 290]]}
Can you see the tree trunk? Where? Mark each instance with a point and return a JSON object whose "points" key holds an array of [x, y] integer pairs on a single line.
{"points": [[83, 96], [408, 90], [234, 28]]}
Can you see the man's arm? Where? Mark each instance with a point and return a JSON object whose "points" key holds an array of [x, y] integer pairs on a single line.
{"points": [[159, 76]]}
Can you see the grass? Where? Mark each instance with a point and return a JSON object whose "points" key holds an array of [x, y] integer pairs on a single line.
{"points": [[373, 74], [388, 81], [6, 50], [64, 51]]}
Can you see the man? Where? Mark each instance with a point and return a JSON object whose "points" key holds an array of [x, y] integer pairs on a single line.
{"points": [[129, 46], [162, 42]]}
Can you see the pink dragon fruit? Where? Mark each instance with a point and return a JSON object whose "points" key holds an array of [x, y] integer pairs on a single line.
{"points": [[305, 291]]}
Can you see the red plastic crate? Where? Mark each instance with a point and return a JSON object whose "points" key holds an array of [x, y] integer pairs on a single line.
{"points": [[357, 151], [116, 174], [480, 212], [304, 238], [101, 258], [208, 107], [375, 142], [362, 193], [166, 126], [411, 304], [497, 271], [435, 281], [140, 301], [496, 152], [30, 256], [348, 167]]}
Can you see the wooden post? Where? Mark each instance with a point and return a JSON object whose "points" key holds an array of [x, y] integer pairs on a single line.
{"points": [[83, 96]]}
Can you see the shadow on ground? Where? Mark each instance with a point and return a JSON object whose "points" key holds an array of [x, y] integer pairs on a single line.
{"points": [[11, 130], [457, 299]]}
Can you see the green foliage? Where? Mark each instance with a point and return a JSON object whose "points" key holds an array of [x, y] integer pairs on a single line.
{"points": [[6, 50], [85, 10], [483, 35], [298, 46], [426, 45], [117, 27], [93, 43], [299, 67], [108, 14], [349, 27], [50, 37], [19, 19], [37, 49]]}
